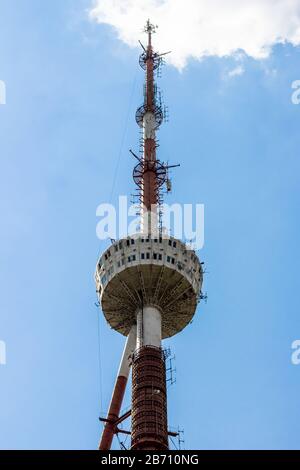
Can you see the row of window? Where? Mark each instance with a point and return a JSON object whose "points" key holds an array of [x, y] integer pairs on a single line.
{"points": [[145, 256], [118, 247], [129, 259], [147, 240], [159, 240], [131, 241], [132, 258]]}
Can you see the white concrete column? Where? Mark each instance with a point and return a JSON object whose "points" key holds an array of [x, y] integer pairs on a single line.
{"points": [[148, 327], [129, 349], [139, 329], [150, 222], [149, 125]]}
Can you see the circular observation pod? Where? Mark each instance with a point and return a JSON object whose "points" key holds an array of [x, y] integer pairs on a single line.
{"points": [[139, 271]]}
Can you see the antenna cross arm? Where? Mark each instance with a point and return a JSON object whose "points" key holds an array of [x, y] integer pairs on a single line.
{"points": [[135, 156], [164, 53], [171, 166]]}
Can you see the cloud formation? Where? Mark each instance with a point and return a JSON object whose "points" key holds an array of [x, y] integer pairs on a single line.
{"points": [[238, 70], [202, 28]]}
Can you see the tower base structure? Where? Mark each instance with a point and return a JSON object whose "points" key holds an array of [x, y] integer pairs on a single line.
{"points": [[149, 424], [149, 428]]}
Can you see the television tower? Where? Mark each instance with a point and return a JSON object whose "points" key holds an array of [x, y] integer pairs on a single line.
{"points": [[148, 286]]}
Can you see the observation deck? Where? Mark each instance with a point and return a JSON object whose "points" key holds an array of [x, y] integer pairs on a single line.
{"points": [[138, 271]]}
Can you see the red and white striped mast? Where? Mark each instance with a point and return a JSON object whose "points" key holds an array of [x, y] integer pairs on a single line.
{"points": [[150, 174], [149, 189]]}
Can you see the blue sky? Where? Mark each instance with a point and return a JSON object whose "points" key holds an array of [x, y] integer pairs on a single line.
{"points": [[71, 86]]}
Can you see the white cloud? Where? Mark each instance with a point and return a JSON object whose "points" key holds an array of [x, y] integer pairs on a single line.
{"points": [[238, 70], [201, 28]]}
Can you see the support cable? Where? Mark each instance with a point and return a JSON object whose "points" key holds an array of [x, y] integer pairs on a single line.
{"points": [[133, 87], [124, 135], [99, 361], [110, 200]]}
